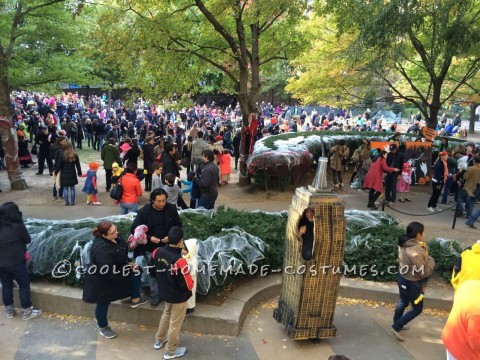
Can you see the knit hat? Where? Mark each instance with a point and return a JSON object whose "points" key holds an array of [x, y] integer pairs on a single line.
{"points": [[93, 166]]}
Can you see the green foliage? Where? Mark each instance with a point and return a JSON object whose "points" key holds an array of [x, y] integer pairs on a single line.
{"points": [[376, 254], [445, 253], [424, 51], [370, 251]]}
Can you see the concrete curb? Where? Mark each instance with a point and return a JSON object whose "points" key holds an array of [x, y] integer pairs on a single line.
{"points": [[226, 319]]}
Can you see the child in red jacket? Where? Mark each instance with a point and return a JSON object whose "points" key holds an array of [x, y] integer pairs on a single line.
{"points": [[225, 166]]}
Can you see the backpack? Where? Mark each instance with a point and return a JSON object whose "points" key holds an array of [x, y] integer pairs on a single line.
{"points": [[117, 191]]}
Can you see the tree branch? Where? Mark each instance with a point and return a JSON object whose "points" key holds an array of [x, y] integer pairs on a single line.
{"points": [[267, 24], [200, 56], [401, 96], [422, 52], [273, 58], [410, 82], [46, 4], [217, 26], [474, 69], [183, 9]]}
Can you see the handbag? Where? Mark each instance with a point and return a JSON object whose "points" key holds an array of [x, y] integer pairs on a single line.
{"points": [[116, 192], [34, 150]]}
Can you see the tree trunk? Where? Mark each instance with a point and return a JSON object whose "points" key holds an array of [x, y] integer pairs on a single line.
{"points": [[7, 132], [471, 126]]}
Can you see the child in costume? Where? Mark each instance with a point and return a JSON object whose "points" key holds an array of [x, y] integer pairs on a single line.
{"points": [[189, 253], [90, 186], [403, 186], [225, 166], [117, 172]]}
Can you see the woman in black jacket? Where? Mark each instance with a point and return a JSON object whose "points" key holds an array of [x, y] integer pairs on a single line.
{"points": [[67, 165], [132, 154], [14, 238], [148, 159], [110, 276]]}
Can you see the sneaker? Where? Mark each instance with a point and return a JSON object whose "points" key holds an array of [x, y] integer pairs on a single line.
{"points": [[190, 311], [179, 352], [89, 203], [97, 203], [9, 312], [405, 327], [143, 300], [401, 200], [408, 200], [31, 313], [471, 226], [158, 344], [397, 335], [431, 209], [107, 332], [154, 303]]}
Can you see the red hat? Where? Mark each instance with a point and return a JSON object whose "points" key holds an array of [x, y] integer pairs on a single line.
{"points": [[443, 153], [93, 165]]}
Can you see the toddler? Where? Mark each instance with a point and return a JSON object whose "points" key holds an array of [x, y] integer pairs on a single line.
{"points": [[90, 186], [403, 186], [225, 166]]}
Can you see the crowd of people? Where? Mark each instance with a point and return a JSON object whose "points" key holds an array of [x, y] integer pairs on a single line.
{"points": [[202, 140]]}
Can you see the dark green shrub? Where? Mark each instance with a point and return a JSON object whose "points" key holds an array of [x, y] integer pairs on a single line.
{"points": [[445, 253]]}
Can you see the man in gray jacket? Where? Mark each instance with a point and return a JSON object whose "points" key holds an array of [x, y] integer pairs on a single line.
{"points": [[198, 147], [208, 181]]}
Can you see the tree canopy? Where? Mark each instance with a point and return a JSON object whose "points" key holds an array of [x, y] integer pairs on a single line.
{"points": [[424, 51]]}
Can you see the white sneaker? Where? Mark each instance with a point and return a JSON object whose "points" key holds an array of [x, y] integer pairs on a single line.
{"points": [[97, 203], [430, 209], [179, 352]]}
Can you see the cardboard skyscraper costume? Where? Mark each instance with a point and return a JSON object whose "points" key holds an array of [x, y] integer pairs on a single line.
{"points": [[311, 277]]}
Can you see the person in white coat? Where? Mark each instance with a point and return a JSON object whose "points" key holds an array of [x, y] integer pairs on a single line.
{"points": [[190, 254]]}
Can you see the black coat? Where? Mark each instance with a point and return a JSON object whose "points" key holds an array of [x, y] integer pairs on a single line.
{"points": [[169, 165], [44, 142], [14, 236], [144, 217], [148, 157], [112, 283], [68, 175]]}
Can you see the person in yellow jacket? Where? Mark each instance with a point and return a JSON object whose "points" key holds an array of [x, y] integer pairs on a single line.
{"points": [[467, 266], [461, 334]]}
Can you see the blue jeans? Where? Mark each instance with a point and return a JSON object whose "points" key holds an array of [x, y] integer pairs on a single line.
{"points": [[57, 193], [473, 218], [69, 192], [20, 274], [446, 189], [101, 310], [469, 202], [101, 140], [409, 292], [207, 202], [126, 208]]}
